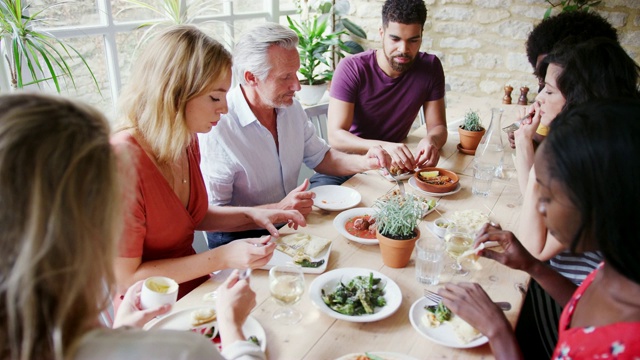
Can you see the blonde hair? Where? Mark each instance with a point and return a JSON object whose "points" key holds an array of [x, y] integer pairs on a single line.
{"points": [[60, 216], [177, 66]]}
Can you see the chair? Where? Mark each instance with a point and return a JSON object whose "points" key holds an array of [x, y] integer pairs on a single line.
{"points": [[318, 116], [421, 118]]}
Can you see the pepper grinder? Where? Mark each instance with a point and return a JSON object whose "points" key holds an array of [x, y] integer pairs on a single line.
{"points": [[522, 100], [507, 94]]}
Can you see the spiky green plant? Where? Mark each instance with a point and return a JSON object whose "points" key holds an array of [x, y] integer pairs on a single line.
{"points": [[172, 12], [398, 216], [43, 55], [472, 121], [571, 5]]}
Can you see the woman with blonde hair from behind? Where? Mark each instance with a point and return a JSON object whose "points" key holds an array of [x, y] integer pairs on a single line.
{"points": [[62, 190], [179, 89]]}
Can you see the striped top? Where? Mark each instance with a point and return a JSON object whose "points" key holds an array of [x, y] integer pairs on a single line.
{"points": [[576, 267]]}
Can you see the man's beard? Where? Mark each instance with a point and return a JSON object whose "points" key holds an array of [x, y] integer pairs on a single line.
{"points": [[399, 67]]}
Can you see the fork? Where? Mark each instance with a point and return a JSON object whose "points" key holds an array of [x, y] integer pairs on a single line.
{"points": [[399, 182], [430, 295]]}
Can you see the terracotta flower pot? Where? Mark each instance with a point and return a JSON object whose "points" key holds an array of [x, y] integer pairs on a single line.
{"points": [[469, 140], [396, 253]]}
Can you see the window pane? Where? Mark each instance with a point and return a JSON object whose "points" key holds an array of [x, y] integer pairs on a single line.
{"points": [[287, 5], [57, 13], [247, 6], [123, 11], [240, 26], [92, 49]]}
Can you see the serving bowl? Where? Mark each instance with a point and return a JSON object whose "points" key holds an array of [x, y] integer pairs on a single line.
{"points": [[435, 188]]}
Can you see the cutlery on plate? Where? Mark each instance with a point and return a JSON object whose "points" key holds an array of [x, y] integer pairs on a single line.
{"points": [[399, 182], [430, 295]]}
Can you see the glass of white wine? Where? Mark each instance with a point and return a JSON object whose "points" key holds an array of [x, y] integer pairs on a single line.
{"points": [[457, 240], [286, 283]]}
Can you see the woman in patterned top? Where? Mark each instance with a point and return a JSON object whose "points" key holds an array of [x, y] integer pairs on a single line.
{"points": [[588, 198]]}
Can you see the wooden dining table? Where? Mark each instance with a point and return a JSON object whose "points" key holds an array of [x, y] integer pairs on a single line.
{"points": [[318, 336]]}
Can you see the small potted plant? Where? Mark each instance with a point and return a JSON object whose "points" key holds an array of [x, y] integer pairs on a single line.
{"points": [[471, 131], [397, 220]]}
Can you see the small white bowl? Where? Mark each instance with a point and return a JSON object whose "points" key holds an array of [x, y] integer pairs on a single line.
{"points": [[440, 226], [158, 291]]}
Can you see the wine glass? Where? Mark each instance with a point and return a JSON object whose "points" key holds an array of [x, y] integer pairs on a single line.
{"points": [[286, 283], [457, 240]]}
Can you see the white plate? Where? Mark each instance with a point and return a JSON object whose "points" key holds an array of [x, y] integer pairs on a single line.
{"points": [[330, 280], [442, 334], [335, 197], [404, 176], [280, 258], [181, 320], [412, 182], [382, 354], [341, 219]]}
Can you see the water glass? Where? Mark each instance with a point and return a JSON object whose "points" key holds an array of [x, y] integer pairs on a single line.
{"points": [[429, 252], [482, 178]]}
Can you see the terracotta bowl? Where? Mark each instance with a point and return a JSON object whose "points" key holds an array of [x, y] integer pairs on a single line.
{"points": [[450, 186]]}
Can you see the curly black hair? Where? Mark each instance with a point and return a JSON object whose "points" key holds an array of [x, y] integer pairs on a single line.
{"points": [[404, 12], [579, 25], [593, 69]]}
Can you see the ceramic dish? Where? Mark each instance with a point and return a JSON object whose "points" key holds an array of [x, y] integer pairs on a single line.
{"points": [[330, 280], [181, 320], [335, 197], [280, 258], [412, 183], [341, 219], [466, 151], [384, 355], [442, 334], [434, 188]]}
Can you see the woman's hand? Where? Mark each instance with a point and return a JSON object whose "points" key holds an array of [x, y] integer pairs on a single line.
{"points": [[234, 302], [514, 255], [473, 305], [247, 253], [524, 135], [265, 218], [130, 312]]}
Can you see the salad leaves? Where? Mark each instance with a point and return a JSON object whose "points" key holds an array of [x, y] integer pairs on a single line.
{"points": [[360, 296]]}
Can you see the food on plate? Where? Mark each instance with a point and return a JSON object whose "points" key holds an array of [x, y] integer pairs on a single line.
{"points": [[436, 315], [397, 170], [434, 178], [202, 316], [300, 244], [363, 226], [207, 331], [358, 297], [472, 220], [254, 339], [305, 261], [366, 356]]}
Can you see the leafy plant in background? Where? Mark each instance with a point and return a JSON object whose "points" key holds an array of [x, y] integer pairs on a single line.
{"points": [[43, 55], [315, 46], [172, 12], [571, 5], [320, 29]]}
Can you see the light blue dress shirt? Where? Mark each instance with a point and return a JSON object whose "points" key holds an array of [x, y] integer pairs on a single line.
{"points": [[240, 163]]}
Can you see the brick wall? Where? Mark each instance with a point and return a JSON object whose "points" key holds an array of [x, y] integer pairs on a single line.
{"points": [[481, 42]]}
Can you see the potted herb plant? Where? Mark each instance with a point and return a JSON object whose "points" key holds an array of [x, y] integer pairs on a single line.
{"points": [[397, 220], [34, 56], [471, 131]]}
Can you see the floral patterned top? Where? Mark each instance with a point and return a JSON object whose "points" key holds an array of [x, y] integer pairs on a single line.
{"points": [[614, 341]]}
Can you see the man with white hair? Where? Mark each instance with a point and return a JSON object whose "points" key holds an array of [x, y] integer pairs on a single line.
{"points": [[253, 156]]}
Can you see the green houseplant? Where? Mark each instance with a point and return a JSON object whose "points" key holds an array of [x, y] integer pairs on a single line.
{"points": [[38, 53], [571, 5], [471, 131], [397, 220]]}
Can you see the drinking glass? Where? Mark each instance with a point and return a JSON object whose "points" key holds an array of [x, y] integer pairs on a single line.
{"points": [[457, 240], [286, 283]]}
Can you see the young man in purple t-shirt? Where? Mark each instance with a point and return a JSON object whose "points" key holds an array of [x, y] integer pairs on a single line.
{"points": [[376, 95]]}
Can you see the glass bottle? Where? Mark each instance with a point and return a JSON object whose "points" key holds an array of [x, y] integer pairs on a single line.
{"points": [[488, 159]]}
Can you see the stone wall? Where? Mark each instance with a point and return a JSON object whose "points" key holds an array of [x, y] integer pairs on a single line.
{"points": [[481, 42]]}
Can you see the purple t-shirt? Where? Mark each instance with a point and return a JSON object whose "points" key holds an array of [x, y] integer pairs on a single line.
{"points": [[385, 108]]}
